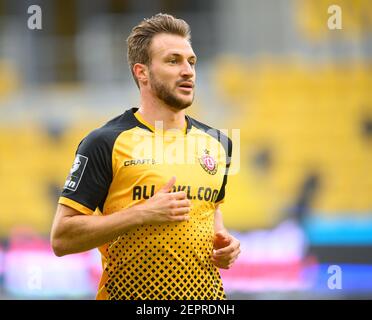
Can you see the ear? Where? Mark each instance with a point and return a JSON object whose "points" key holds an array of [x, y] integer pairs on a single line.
{"points": [[141, 72]]}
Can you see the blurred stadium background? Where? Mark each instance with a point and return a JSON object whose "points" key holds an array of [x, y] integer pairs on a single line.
{"points": [[301, 95]]}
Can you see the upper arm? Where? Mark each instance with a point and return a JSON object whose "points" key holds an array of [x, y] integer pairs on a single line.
{"points": [[91, 174], [63, 212]]}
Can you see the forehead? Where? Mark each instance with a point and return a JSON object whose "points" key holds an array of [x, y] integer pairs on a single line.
{"points": [[164, 44]]}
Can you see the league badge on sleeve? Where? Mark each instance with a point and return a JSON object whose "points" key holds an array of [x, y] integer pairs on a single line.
{"points": [[208, 163], [76, 172]]}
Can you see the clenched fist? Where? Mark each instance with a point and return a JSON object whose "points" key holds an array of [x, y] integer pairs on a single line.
{"points": [[166, 206], [226, 249]]}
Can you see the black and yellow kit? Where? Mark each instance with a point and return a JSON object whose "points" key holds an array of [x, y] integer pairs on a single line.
{"points": [[124, 163]]}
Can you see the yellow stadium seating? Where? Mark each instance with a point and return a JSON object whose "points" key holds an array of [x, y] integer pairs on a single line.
{"points": [[309, 116]]}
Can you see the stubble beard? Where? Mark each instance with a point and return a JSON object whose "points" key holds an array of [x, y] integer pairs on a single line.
{"points": [[164, 93]]}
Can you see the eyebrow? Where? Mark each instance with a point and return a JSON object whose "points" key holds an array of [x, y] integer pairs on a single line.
{"points": [[179, 55]]}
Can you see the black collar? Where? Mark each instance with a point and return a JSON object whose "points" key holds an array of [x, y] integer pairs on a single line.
{"points": [[132, 111]]}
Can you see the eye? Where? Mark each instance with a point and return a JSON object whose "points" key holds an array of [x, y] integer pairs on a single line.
{"points": [[192, 62], [173, 61]]}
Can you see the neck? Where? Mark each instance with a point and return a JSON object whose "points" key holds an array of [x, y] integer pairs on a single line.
{"points": [[152, 110]]}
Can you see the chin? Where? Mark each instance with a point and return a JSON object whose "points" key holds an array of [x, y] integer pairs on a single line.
{"points": [[178, 102], [186, 102], [181, 106]]}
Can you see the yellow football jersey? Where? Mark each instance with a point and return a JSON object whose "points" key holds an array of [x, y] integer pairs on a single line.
{"points": [[124, 163]]}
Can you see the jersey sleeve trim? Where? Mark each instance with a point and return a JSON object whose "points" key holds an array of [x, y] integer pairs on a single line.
{"points": [[75, 205], [226, 143], [221, 195], [218, 202]]}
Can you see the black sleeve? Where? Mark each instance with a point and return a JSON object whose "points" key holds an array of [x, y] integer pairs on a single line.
{"points": [[91, 174], [227, 143]]}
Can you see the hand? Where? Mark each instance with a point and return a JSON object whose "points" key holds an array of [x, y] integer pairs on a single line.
{"points": [[226, 249], [166, 206]]}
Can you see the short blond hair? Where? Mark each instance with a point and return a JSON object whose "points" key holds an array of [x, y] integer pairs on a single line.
{"points": [[140, 38]]}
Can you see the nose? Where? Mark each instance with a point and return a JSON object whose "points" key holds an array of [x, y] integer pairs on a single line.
{"points": [[187, 70]]}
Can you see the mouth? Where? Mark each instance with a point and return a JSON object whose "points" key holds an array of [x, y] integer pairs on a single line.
{"points": [[186, 86]]}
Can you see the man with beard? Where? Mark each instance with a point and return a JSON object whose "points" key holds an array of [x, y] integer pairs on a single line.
{"points": [[146, 187]]}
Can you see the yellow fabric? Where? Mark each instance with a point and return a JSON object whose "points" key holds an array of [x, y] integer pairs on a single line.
{"points": [[169, 260], [75, 205]]}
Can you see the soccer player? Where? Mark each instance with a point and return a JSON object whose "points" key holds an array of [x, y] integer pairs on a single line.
{"points": [[146, 187]]}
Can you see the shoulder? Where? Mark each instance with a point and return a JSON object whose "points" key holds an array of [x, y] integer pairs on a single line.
{"points": [[217, 134], [107, 134]]}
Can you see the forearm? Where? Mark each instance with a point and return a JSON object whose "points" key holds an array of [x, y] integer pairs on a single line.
{"points": [[218, 221], [73, 232], [78, 233]]}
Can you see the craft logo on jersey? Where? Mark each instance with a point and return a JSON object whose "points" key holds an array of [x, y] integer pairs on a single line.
{"points": [[76, 172], [208, 163], [135, 162]]}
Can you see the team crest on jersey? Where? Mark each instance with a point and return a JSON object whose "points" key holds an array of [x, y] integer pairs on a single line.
{"points": [[76, 172], [208, 163]]}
